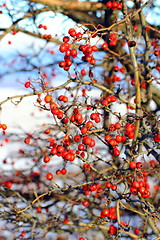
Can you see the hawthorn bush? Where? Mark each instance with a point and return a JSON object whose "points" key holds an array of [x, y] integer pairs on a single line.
{"points": [[91, 170]]}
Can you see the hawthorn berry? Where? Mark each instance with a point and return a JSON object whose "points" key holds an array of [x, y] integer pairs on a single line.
{"points": [[84, 130], [27, 84], [116, 152], [27, 140], [112, 230], [85, 203], [49, 176], [132, 164], [66, 220], [48, 98], [108, 185], [38, 209], [3, 126], [104, 46], [114, 187], [79, 35], [135, 28], [63, 171], [8, 184], [105, 211], [117, 125], [23, 234], [66, 39], [133, 190], [136, 231], [46, 159], [109, 4], [131, 44], [139, 165]]}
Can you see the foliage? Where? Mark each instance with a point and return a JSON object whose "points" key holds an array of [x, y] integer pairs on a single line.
{"points": [[91, 169]]}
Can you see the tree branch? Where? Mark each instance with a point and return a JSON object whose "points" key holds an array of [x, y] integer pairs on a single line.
{"points": [[69, 5]]}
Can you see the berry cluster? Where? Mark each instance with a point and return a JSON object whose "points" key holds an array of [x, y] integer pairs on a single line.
{"points": [[141, 187], [109, 212], [88, 50], [45, 36], [113, 39], [66, 48], [42, 26], [113, 79], [114, 5]]}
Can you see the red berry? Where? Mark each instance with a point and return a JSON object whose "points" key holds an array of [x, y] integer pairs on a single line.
{"points": [[113, 99], [66, 39], [74, 53], [117, 125], [48, 98], [157, 138], [111, 127], [119, 138], [27, 84], [108, 185], [38, 209], [83, 72], [58, 172], [40, 26], [8, 184], [63, 171], [131, 135], [27, 140], [131, 44], [133, 190], [77, 138], [89, 124], [136, 231], [116, 152], [23, 234], [63, 48], [132, 164], [79, 35], [72, 32], [116, 68], [119, 6], [84, 130], [139, 165], [157, 53], [49, 176], [66, 220], [112, 229], [81, 147], [135, 28], [107, 138], [104, 46], [141, 189], [85, 203], [105, 212], [114, 187], [109, 4], [4, 126], [114, 4], [135, 184], [46, 159]]}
